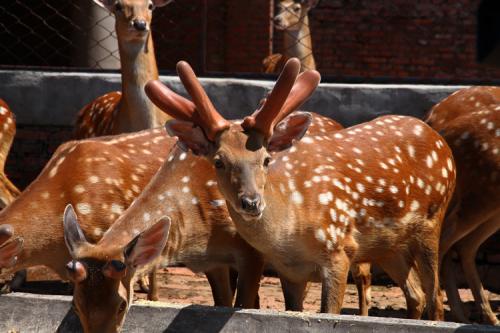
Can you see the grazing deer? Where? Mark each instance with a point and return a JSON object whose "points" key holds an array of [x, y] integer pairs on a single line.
{"points": [[129, 110], [368, 194], [100, 177], [293, 20], [8, 191], [202, 236], [469, 120]]}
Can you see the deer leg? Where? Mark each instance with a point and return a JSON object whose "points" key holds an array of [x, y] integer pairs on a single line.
{"points": [[450, 285], [363, 280], [334, 281], [427, 259], [221, 286], [249, 274], [399, 269], [467, 248], [294, 293], [153, 285]]}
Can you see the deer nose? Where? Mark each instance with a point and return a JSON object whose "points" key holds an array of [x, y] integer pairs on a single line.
{"points": [[140, 25], [250, 203], [277, 20]]}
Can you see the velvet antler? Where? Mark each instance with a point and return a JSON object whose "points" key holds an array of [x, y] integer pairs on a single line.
{"points": [[265, 118]]}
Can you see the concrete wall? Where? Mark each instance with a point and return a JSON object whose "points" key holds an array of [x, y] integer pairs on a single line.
{"points": [[41, 313], [54, 98]]}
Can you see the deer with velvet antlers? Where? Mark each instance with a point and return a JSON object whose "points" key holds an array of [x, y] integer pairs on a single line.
{"points": [[127, 110], [367, 194], [202, 235], [469, 120]]}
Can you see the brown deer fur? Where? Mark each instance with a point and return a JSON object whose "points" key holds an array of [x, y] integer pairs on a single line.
{"points": [[377, 192], [8, 191], [469, 120], [129, 110]]}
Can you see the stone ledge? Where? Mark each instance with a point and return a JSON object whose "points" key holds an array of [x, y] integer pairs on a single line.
{"points": [[41, 313]]}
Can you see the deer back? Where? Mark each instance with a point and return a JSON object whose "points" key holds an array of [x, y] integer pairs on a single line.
{"points": [[8, 191]]}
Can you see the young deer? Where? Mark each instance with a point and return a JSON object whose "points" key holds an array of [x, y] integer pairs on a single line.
{"points": [[129, 110], [8, 191], [100, 177], [202, 236], [293, 20], [469, 120], [371, 194]]}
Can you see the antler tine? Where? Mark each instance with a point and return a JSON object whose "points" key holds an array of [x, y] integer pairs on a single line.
{"points": [[169, 102], [303, 88], [209, 119], [264, 119]]}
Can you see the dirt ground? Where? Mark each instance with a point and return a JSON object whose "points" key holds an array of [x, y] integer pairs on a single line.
{"points": [[180, 285]]}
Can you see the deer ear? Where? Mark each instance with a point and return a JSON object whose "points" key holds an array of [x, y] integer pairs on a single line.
{"points": [[9, 252], [293, 127], [190, 136], [161, 3], [73, 234], [108, 4], [148, 245]]}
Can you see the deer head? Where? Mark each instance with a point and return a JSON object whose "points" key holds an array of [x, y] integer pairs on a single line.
{"points": [[292, 12], [102, 306], [240, 152], [132, 16]]}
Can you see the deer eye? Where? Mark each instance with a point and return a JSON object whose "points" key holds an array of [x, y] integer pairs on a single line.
{"points": [[118, 6], [219, 164], [123, 306], [267, 160], [151, 7]]}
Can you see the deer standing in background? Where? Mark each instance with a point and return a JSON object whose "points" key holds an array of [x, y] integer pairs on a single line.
{"points": [[293, 20], [469, 120], [8, 191], [129, 110], [202, 236], [371, 194]]}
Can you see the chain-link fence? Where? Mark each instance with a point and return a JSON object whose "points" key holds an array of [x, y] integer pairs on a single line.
{"points": [[349, 40]]}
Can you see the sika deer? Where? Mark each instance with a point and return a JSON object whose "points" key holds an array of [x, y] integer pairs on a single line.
{"points": [[469, 120], [373, 194], [202, 236], [129, 110], [100, 177], [8, 191]]}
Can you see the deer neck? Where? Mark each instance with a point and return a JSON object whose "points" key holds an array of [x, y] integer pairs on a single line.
{"points": [[298, 44], [138, 66]]}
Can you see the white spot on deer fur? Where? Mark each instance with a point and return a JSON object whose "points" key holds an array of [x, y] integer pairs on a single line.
{"points": [[217, 202], [211, 182], [297, 197], [444, 172], [401, 203], [116, 208], [449, 164], [45, 195], [393, 189], [333, 214], [316, 179], [434, 156], [360, 187], [484, 146], [411, 151], [135, 188], [490, 125], [420, 183], [285, 158], [293, 149], [383, 165], [321, 235], [182, 156], [147, 152], [146, 217], [83, 208], [307, 140], [307, 184], [170, 158], [414, 205], [428, 190], [369, 179], [379, 189], [185, 179], [98, 232], [79, 189], [382, 181], [134, 177], [495, 151], [3, 110], [325, 198], [93, 179], [185, 189], [338, 136], [355, 195], [417, 130], [357, 150], [428, 161]]}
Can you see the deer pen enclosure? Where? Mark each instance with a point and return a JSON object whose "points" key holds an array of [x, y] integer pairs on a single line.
{"points": [[77, 70]]}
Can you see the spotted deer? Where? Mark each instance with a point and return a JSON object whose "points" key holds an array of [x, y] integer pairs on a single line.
{"points": [[469, 120], [375, 192], [100, 177], [127, 110], [8, 191], [202, 235], [293, 20]]}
